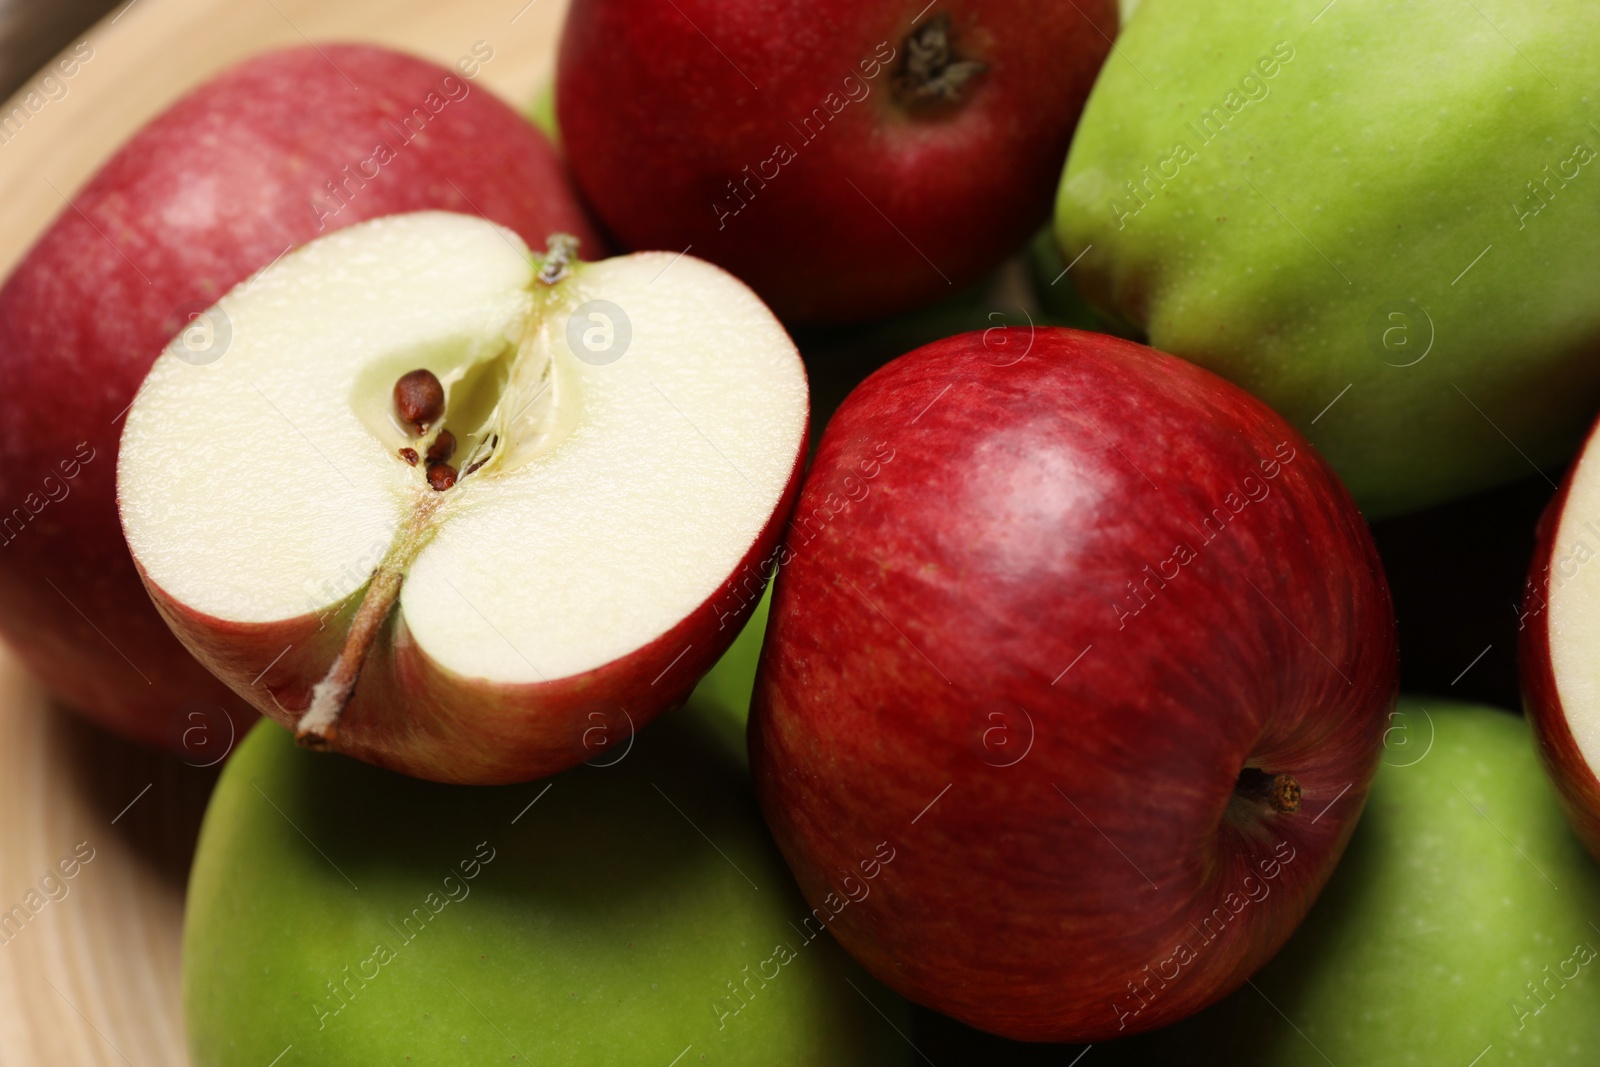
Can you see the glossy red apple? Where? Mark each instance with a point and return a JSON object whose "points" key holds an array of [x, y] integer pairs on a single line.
{"points": [[1559, 633], [848, 159], [265, 157], [1098, 649]]}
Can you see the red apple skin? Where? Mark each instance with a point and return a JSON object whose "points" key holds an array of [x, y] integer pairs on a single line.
{"points": [[210, 191], [656, 123], [1563, 761], [411, 715], [979, 572]]}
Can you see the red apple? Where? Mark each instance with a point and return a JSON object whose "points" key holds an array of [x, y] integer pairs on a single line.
{"points": [[1075, 680], [265, 157], [1559, 631], [848, 159], [462, 510]]}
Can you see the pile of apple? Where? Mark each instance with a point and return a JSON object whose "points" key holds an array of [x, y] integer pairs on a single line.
{"points": [[1081, 663]]}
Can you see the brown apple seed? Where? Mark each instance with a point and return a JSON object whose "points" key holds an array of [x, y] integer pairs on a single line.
{"points": [[441, 476], [418, 399], [443, 447], [409, 455]]}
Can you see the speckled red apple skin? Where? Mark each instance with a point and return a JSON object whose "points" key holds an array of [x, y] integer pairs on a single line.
{"points": [[1570, 773], [661, 105], [210, 191], [979, 573]]}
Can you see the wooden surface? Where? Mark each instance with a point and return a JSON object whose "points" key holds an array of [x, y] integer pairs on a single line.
{"points": [[92, 977], [31, 31]]}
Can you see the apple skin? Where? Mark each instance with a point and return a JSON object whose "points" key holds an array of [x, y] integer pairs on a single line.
{"points": [[656, 124], [1323, 240], [210, 191], [933, 607], [604, 930], [411, 715], [1057, 291], [541, 111], [1420, 946], [1574, 782]]}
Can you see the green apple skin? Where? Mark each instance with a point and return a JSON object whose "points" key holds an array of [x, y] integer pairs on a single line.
{"points": [[1060, 302], [598, 928], [1461, 885], [542, 112], [1330, 234], [722, 699]]}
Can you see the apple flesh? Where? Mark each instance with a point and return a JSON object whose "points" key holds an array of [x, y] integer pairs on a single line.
{"points": [[218, 186], [1460, 918], [590, 924], [849, 160], [626, 434], [1559, 630], [1100, 646]]}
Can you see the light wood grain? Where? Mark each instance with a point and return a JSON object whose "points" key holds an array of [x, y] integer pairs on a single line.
{"points": [[93, 977]]}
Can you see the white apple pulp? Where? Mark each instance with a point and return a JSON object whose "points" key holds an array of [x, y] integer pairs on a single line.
{"points": [[620, 492], [1573, 596]]}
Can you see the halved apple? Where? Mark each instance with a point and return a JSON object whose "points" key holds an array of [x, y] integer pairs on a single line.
{"points": [[460, 510], [1559, 643]]}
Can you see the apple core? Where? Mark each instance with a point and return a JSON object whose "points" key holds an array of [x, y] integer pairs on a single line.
{"points": [[512, 394]]}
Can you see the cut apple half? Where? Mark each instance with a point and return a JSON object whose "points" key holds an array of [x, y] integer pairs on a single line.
{"points": [[1560, 633], [458, 509]]}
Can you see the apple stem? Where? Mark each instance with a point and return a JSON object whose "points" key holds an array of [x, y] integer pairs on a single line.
{"points": [[932, 74], [560, 250], [1280, 792], [318, 727]]}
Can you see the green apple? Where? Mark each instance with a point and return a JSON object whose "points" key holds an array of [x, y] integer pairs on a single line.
{"points": [[1461, 923], [632, 910], [542, 112], [722, 699], [1379, 217], [1060, 301]]}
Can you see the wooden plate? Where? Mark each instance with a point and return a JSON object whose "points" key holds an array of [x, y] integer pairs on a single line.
{"points": [[89, 964]]}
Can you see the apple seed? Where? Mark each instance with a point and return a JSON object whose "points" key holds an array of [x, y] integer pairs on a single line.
{"points": [[409, 455], [418, 399], [441, 476], [443, 447]]}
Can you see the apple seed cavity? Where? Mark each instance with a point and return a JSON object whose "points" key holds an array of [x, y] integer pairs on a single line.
{"points": [[1280, 792], [418, 399], [513, 397], [493, 441], [932, 74]]}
